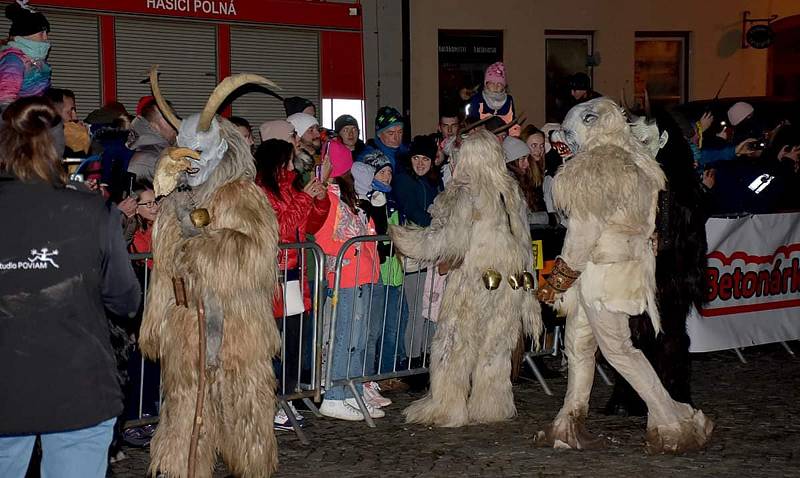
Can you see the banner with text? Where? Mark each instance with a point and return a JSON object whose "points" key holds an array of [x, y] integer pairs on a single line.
{"points": [[753, 283]]}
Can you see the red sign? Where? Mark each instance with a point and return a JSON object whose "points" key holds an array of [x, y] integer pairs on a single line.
{"points": [[321, 14]]}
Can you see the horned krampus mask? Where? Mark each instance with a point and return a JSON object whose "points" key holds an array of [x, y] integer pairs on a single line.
{"points": [[592, 119], [199, 137]]}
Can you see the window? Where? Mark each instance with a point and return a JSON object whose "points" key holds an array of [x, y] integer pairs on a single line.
{"points": [[463, 58], [660, 66], [332, 108], [566, 53]]}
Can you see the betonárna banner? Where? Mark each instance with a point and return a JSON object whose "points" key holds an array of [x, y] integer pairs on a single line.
{"points": [[753, 283]]}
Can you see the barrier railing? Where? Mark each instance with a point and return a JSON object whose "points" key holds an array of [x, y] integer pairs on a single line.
{"points": [[299, 376], [373, 318]]}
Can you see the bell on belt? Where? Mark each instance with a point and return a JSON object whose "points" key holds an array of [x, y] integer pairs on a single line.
{"points": [[528, 282], [491, 279], [200, 217], [515, 281]]}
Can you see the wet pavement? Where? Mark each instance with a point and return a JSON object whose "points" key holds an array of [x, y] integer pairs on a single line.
{"points": [[754, 405]]}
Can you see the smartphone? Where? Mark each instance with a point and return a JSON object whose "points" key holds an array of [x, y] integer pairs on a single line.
{"points": [[318, 172], [77, 177], [758, 145]]}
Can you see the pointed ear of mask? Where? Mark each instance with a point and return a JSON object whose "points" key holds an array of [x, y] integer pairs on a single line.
{"points": [[662, 140]]}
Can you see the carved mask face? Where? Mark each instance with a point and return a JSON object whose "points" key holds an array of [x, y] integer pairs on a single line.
{"points": [[209, 144], [592, 118], [646, 132]]}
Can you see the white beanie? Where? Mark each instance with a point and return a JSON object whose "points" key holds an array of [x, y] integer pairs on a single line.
{"points": [[739, 111], [515, 148], [302, 122]]}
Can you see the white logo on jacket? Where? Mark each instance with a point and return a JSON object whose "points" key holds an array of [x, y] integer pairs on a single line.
{"points": [[39, 259]]}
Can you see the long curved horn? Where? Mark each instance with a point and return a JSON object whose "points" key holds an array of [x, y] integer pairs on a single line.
{"points": [[166, 110], [225, 88], [647, 104]]}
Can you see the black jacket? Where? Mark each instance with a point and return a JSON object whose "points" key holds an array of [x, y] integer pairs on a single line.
{"points": [[62, 259]]}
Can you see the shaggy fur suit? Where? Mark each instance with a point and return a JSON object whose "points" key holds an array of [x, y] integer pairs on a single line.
{"points": [[609, 191], [476, 225], [230, 265]]}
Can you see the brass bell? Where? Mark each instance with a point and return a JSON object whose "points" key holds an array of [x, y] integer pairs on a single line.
{"points": [[491, 279], [528, 282], [514, 281], [200, 217]]}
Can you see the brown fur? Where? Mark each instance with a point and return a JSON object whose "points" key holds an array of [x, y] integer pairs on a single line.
{"points": [[477, 328], [230, 262]]}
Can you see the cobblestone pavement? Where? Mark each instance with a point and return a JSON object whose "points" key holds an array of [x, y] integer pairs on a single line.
{"points": [[754, 405]]}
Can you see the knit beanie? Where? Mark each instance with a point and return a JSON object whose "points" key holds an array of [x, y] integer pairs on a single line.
{"points": [[424, 146], [514, 148], [296, 104], [496, 72], [739, 111], [342, 121], [341, 158], [25, 20], [386, 118], [302, 122], [362, 176], [376, 159], [276, 129], [580, 81]]}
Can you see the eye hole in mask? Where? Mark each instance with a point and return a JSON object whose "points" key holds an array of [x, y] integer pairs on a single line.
{"points": [[589, 118]]}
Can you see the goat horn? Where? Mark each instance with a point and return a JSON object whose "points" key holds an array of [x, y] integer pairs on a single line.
{"points": [[180, 153], [646, 104], [225, 88], [166, 110]]}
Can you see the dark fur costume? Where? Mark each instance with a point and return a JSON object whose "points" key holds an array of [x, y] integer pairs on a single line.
{"points": [[680, 267]]}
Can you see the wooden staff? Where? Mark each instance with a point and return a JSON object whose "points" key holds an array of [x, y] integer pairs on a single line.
{"points": [[181, 301]]}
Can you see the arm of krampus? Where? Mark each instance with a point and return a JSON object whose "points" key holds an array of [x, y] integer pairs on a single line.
{"points": [[447, 239]]}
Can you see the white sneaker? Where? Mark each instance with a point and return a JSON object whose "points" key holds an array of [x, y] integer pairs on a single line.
{"points": [[374, 412], [297, 414], [341, 410], [373, 397]]}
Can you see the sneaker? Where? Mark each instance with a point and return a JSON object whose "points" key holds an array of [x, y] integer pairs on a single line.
{"points": [[374, 412], [341, 410], [297, 415], [119, 456], [281, 421], [373, 397], [136, 437]]}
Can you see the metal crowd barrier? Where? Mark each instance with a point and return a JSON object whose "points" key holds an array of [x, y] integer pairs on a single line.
{"points": [[384, 312], [305, 380]]}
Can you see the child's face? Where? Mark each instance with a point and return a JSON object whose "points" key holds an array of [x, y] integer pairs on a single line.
{"points": [[495, 87], [384, 175]]}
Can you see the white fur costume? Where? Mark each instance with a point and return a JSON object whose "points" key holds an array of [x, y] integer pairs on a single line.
{"points": [[476, 226], [609, 191]]}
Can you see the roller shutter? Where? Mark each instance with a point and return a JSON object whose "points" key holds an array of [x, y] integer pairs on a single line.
{"points": [[74, 55], [289, 58], [185, 51]]}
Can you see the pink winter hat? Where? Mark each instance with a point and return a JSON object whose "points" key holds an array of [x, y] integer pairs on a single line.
{"points": [[341, 158], [496, 73]]}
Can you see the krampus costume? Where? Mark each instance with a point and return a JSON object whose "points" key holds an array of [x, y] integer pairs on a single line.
{"points": [[606, 273], [478, 227], [680, 265], [219, 234]]}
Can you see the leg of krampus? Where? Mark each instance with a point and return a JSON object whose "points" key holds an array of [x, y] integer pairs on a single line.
{"points": [[568, 429], [492, 399], [624, 400], [672, 427], [247, 400], [452, 361], [169, 450]]}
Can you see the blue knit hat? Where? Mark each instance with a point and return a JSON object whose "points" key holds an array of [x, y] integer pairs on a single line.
{"points": [[386, 118]]}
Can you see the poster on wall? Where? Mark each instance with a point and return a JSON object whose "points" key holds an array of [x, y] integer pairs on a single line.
{"points": [[753, 283], [463, 58]]}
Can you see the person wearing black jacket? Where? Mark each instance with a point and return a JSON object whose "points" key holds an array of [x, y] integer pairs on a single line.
{"points": [[62, 261]]}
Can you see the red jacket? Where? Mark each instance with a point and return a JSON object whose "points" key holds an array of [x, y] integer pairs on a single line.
{"points": [[298, 214]]}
